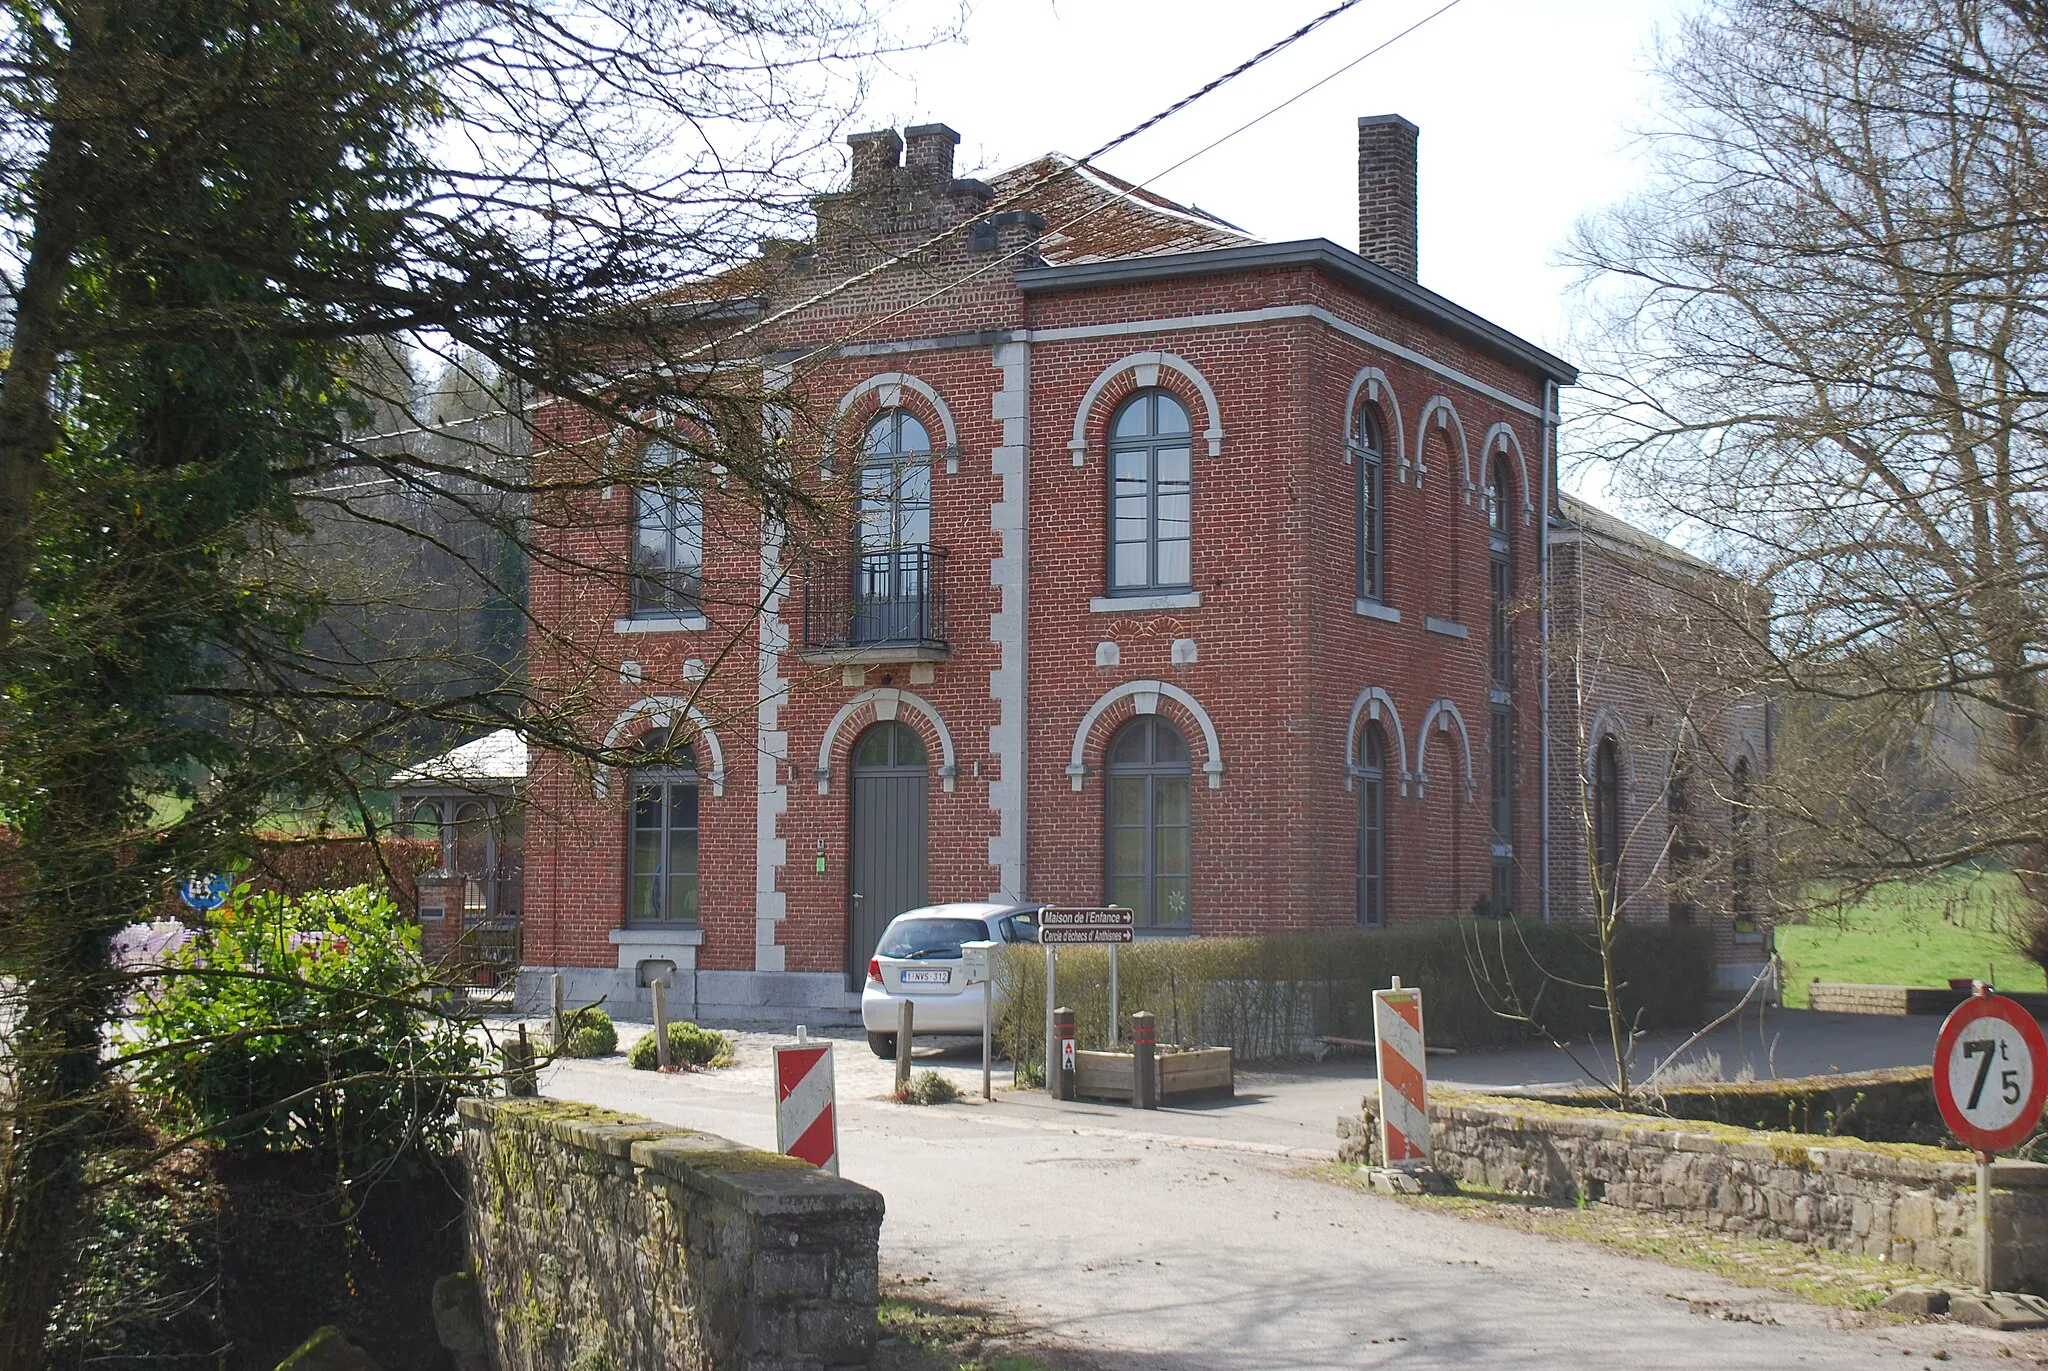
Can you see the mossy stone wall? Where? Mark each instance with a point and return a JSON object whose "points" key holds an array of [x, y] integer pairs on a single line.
{"points": [[604, 1242], [1901, 1202]]}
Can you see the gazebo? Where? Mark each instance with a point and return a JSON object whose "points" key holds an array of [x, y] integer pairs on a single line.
{"points": [[472, 799]]}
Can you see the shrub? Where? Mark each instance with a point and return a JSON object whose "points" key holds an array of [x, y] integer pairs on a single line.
{"points": [[1271, 997], [928, 1087], [688, 1045], [304, 1025], [591, 1034]]}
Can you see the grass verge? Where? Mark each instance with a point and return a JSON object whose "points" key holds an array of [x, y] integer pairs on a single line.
{"points": [[1962, 923], [922, 1333], [1839, 1279]]}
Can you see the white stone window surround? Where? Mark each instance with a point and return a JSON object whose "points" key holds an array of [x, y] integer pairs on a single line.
{"points": [[1147, 366], [1146, 696], [1378, 391], [662, 623], [665, 711], [1501, 438], [889, 702], [1127, 604], [888, 388], [1440, 408], [1375, 704], [1374, 609], [1440, 718]]}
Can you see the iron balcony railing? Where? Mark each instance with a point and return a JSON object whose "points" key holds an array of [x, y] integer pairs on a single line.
{"points": [[893, 597]]}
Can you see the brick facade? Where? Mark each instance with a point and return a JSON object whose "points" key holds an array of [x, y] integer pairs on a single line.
{"points": [[1013, 342]]}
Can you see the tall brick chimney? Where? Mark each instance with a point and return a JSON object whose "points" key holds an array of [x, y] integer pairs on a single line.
{"points": [[930, 151], [1386, 192], [875, 156]]}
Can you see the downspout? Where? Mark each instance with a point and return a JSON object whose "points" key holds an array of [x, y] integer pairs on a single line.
{"points": [[1548, 448]]}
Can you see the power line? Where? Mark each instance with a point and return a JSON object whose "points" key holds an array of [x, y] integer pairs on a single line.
{"points": [[1120, 196], [897, 258]]}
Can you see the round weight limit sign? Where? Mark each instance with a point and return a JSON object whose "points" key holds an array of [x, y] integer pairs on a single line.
{"points": [[1990, 1073]]}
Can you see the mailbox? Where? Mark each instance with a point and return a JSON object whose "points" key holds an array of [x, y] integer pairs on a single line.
{"points": [[974, 960]]}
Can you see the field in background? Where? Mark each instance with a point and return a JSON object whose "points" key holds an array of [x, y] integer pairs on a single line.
{"points": [[1913, 933]]}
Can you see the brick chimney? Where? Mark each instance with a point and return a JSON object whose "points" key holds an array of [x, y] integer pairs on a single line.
{"points": [[875, 156], [930, 151], [1386, 192]]}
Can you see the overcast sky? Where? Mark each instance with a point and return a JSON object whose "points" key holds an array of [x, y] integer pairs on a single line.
{"points": [[1527, 110]]}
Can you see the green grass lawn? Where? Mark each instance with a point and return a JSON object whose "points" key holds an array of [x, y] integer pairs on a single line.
{"points": [[1913, 933]]}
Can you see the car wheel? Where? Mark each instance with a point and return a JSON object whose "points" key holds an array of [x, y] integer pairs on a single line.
{"points": [[883, 1045]]}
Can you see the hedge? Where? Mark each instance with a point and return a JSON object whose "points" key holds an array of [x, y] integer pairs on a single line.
{"points": [[1275, 997]]}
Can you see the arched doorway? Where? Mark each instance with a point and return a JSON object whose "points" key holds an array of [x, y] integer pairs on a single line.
{"points": [[886, 874], [1370, 776]]}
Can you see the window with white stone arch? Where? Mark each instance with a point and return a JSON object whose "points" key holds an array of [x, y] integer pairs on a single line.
{"points": [[1150, 495]]}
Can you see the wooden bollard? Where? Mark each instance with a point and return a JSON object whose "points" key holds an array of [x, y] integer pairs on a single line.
{"points": [[659, 989], [1144, 1061], [520, 1077], [1059, 1063], [906, 1018]]}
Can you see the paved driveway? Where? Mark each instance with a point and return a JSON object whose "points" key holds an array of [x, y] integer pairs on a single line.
{"points": [[1188, 1238]]}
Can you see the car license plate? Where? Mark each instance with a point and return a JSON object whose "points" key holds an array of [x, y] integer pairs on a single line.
{"points": [[929, 976]]}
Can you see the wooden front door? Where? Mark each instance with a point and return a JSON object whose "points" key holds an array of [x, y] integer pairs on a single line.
{"points": [[887, 873]]}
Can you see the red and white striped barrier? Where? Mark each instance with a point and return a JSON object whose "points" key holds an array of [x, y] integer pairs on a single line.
{"points": [[1404, 1080], [806, 1122]]}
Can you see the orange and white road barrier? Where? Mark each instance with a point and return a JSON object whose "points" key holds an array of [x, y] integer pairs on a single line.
{"points": [[1404, 1079], [806, 1121]]}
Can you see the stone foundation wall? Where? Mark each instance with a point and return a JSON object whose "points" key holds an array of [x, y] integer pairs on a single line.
{"points": [[1894, 1106], [1827, 997], [1903, 1203], [602, 1240]]}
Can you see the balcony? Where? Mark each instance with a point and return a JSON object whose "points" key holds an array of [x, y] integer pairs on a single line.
{"points": [[876, 607]]}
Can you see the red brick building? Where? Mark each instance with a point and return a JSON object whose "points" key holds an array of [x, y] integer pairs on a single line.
{"points": [[1176, 568]]}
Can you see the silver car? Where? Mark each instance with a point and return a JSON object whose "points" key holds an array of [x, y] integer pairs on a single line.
{"points": [[918, 959]]}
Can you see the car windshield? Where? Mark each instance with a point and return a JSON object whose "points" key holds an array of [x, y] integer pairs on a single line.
{"points": [[925, 938]]}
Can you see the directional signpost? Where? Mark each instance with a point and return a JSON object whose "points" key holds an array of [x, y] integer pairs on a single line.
{"points": [[1084, 926], [204, 892], [1990, 1080]]}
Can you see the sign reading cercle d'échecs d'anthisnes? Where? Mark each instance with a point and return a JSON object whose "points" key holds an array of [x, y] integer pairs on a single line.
{"points": [[1067, 927]]}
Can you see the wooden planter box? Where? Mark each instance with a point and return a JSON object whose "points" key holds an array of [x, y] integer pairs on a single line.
{"points": [[1205, 1073]]}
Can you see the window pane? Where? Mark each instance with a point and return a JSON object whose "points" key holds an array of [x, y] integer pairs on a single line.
{"points": [[1173, 469], [912, 437], [1172, 417], [1174, 569], [1171, 800], [1128, 567], [642, 906], [682, 899], [647, 807], [1127, 800], [872, 749], [1130, 470], [1169, 745], [1170, 850], [1129, 891], [1131, 422], [1171, 908], [1127, 851], [682, 806], [881, 435], [909, 747]]}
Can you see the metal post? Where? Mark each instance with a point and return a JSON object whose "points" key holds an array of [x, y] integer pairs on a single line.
{"points": [[1059, 1065], [1144, 1061], [1984, 1271], [555, 1011], [660, 991], [906, 1013], [1115, 1028], [988, 1035], [1052, 976]]}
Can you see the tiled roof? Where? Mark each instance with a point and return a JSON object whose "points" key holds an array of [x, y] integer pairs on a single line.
{"points": [[1092, 216]]}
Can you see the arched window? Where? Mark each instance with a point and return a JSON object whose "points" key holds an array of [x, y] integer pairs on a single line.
{"points": [[1501, 579], [1607, 821], [1149, 495], [1371, 775], [668, 537], [1369, 456], [1683, 844], [663, 834], [1150, 822], [1498, 503], [1742, 854], [895, 483]]}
